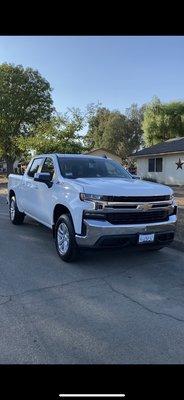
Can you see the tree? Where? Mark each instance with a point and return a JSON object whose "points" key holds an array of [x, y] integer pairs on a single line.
{"points": [[60, 134], [135, 117], [175, 114], [162, 121], [97, 118], [25, 99], [115, 131]]}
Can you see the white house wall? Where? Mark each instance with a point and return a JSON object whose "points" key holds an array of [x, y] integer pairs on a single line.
{"points": [[169, 175]]}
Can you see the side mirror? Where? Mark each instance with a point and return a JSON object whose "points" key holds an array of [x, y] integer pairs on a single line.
{"points": [[43, 177]]}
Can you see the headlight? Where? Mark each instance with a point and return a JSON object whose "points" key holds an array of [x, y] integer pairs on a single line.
{"points": [[174, 207], [90, 197]]}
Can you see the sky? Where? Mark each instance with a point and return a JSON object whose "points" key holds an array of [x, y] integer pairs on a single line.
{"points": [[113, 70]]}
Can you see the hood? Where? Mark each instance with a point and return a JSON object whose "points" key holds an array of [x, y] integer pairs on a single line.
{"points": [[122, 187]]}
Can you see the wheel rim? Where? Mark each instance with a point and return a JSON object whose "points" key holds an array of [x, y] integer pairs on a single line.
{"points": [[12, 209], [63, 238]]}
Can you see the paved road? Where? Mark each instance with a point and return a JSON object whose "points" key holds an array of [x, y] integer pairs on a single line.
{"points": [[109, 307]]}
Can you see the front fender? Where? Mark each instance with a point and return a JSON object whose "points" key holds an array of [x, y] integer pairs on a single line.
{"points": [[66, 195]]}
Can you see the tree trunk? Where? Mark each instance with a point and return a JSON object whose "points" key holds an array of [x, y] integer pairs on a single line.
{"points": [[9, 163]]}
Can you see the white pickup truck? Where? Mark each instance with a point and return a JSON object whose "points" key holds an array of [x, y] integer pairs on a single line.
{"points": [[92, 202]]}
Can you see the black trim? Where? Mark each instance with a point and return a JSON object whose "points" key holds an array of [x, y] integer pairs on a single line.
{"points": [[162, 239], [135, 198]]}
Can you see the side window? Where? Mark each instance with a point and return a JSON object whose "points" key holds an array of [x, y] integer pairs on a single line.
{"points": [[48, 166], [34, 167]]}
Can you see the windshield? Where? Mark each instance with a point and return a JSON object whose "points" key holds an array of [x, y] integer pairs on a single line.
{"points": [[83, 167]]}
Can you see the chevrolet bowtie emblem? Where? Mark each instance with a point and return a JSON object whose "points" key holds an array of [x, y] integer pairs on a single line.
{"points": [[144, 207]]}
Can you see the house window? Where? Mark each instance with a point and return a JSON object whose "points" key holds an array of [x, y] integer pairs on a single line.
{"points": [[151, 164], [155, 164], [158, 164]]}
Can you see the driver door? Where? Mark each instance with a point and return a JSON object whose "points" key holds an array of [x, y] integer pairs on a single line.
{"points": [[44, 194]]}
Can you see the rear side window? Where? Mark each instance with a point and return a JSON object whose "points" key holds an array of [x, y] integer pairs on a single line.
{"points": [[48, 166], [34, 167]]}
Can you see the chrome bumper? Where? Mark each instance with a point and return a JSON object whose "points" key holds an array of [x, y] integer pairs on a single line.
{"points": [[95, 229]]}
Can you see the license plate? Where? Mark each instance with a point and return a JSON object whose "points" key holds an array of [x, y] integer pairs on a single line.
{"points": [[146, 238]]}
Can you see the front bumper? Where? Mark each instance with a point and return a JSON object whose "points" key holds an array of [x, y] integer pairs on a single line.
{"points": [[96, 231]]}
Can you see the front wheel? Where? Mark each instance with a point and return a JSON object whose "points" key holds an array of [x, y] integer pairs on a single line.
{"points": [[16, 216], [65, 242]]}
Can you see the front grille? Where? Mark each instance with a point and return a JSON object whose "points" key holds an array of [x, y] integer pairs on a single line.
{"points": [[137, 217], [136, 198]]}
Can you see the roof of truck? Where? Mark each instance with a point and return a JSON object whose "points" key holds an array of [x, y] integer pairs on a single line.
{"points": [[67, 155]]}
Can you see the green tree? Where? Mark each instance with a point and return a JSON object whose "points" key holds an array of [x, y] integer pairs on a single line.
{"points": [[25, 99], [97, 118], [135, 117], [61, 134], [162, 121], [175, 113], [115, 131]]}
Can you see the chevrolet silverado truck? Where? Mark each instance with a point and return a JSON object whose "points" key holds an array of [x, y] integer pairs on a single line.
{"points": [[92, 202]]}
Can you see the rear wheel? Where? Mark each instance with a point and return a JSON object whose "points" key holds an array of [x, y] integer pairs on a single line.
{"points": [[65, 242], [16, 216]]}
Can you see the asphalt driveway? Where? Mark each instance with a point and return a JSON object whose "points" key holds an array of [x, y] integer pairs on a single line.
{"points": [[120, 306]]}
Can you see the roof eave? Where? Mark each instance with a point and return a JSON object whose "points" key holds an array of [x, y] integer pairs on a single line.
{"points": [[157, 154]]}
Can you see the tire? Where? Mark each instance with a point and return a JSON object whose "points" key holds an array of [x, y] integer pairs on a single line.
{"points": [[16, 217], [65, 242]]}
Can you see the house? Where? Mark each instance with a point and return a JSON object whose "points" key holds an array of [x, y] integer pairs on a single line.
{"points": [[163, 162], [103, 152]]}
